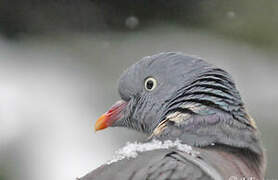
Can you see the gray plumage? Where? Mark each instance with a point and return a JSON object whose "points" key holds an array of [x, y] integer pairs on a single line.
{"points": [[158, 164], [192, 101]]}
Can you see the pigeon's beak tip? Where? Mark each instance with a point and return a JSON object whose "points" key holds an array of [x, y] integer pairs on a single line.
{"points": [[101, 123]]}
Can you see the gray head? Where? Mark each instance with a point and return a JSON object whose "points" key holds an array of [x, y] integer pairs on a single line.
{"points": [[171, 95], [153, 84]]}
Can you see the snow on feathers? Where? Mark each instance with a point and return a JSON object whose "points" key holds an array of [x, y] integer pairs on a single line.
{"points": [[131, 150]]}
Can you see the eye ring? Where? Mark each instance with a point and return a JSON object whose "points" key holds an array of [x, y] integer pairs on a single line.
{"points": [[150, 83]]}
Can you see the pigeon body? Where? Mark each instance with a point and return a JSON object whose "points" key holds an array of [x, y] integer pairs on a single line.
{"points": [[210, 164], [172, 96]]}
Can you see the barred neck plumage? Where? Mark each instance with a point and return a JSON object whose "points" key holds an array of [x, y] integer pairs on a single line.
{"points": [[209, 110], [211, 90]]}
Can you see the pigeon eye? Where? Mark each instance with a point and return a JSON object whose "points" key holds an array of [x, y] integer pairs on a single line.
{"points": [[150, 83]]}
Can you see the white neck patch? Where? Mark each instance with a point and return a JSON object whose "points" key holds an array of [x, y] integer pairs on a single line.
{"points": [[131, 150]]}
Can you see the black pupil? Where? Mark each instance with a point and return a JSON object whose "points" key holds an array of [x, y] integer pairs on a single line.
{"points": [[149, 84]]}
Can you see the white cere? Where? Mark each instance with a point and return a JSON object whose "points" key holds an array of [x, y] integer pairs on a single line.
{"points": [[131, 150]]}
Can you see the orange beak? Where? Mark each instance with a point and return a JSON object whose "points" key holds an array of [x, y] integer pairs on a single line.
{"points": [[113, 114]]}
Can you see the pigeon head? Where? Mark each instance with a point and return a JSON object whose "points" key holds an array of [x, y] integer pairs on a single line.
{"points": [[175, 96]]}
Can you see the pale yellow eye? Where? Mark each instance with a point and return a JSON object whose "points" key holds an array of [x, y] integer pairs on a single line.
{"points": [[150, 83]]}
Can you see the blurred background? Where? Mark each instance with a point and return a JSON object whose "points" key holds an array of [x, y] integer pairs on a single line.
{"points": [[60, 61]]}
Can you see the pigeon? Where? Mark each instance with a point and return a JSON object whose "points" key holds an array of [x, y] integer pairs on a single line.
{"points": [[195, 120]]}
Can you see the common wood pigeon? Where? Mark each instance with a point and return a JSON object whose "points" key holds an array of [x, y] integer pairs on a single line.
{"points": [[197, 124]]}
